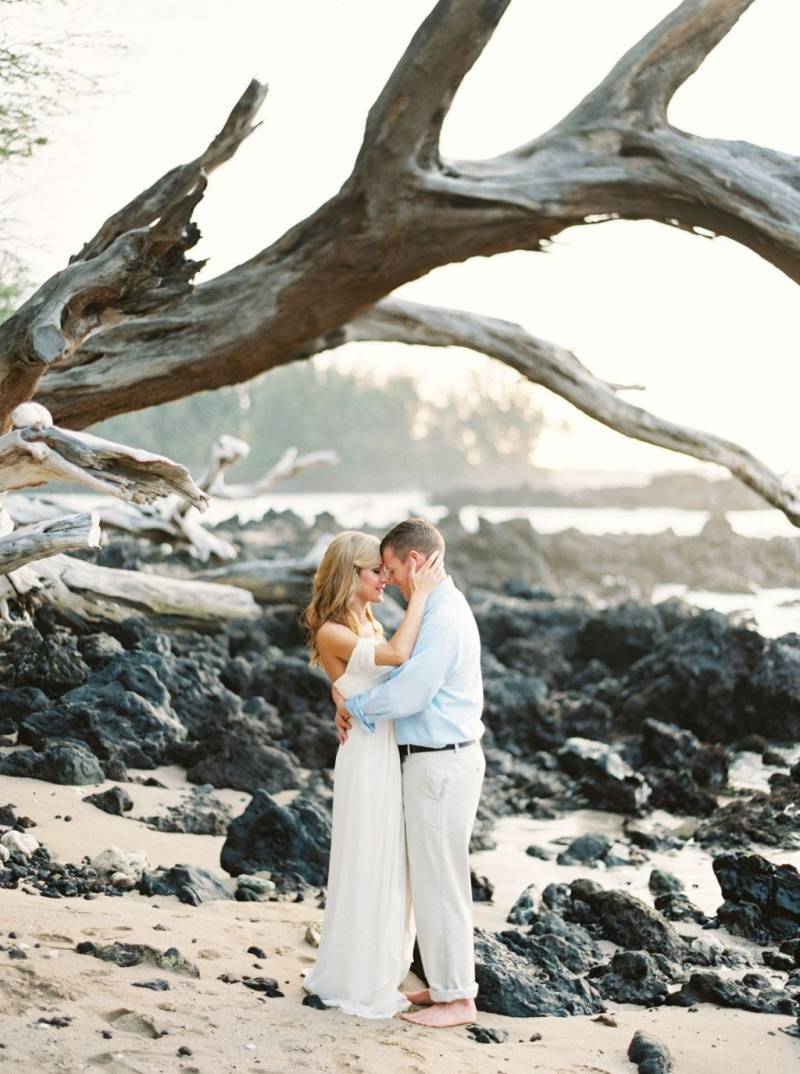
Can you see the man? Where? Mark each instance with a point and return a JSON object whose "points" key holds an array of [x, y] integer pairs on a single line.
{"points": [[436, 698]]}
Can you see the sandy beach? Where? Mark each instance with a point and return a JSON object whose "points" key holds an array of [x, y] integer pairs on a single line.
{"points": [[229, 1027]]}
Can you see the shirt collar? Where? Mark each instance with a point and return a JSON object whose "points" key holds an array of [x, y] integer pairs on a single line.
{"points": [[440, 592]]}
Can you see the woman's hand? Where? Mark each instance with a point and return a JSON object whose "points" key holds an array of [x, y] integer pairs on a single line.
{"points": [[425, 579]]}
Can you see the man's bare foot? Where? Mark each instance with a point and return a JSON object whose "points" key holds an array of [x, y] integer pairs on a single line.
{"points": [[442, 1015], [419, 999]]}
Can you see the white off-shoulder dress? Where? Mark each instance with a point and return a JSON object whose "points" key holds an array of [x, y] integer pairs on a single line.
{"points": [[367, 933]]}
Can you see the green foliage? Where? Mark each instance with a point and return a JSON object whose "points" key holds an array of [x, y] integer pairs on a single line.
{"points": [[387, 436], [13, 284]]}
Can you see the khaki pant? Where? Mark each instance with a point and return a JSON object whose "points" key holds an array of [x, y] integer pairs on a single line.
{"points": [[440, 800]]}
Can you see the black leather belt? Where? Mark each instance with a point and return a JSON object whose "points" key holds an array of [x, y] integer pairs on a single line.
{"points": [[406, 750]]}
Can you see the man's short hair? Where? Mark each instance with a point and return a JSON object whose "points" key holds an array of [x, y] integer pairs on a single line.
{"points": [[413, 535]]}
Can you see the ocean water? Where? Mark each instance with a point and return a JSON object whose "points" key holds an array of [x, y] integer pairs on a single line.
{"points": [[774, 611]]}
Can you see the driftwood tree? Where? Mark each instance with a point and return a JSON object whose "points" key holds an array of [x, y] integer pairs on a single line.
{"points": [[95, 343]]}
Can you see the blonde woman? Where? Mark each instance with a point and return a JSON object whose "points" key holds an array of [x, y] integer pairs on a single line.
{"points": [[367, 938]]}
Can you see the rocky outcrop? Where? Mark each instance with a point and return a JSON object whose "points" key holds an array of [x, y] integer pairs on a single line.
{"points": [[762, 900], [292, 840]]}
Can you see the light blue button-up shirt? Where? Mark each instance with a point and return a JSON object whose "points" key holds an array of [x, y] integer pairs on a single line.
{"points": [[436, 696]]}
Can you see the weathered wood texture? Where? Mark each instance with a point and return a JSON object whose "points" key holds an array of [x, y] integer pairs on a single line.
{"points": [[405, 210], [68, 533]]}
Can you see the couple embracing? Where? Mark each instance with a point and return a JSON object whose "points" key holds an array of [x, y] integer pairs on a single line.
{"points": [[407, 779]]}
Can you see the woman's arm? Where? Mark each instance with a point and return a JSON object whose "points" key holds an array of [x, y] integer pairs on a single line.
{"points": [[423, 581]]}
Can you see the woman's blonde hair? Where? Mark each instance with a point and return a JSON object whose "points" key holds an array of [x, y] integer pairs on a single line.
{"points": [[336, 584]]}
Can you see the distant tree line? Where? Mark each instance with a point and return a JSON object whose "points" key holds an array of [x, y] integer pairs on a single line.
{"points": [[483, 433]]}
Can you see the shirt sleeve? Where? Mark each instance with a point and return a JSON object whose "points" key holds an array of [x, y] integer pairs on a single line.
{"points": [[412, 687]]}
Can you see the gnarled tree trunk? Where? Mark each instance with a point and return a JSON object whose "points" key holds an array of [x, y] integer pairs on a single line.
{"points": [[405, 210]]}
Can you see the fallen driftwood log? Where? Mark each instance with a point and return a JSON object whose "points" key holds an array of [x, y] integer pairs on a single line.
{"points": [[89, 593]]}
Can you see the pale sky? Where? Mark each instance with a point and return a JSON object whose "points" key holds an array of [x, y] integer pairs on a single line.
{"points": [[708, 327]]}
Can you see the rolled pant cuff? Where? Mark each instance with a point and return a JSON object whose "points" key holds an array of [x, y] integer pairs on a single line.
{"points": [[447, 995]]}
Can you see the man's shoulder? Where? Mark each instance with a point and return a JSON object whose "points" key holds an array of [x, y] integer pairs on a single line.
{"points": [[452, 609]]}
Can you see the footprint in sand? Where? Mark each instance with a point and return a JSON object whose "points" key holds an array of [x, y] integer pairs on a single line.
{"points": [[132, 1022], [121, 1063], [55, 939], [107, 933]]}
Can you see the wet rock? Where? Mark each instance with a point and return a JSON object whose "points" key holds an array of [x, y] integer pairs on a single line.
{"points": [[678, 792], [240, 753], [201, 813], [139, 954], [594, 849], [510, 984], [124, 711], [514, 709], [548, 923], [791, 948], [587, 849], [675, 906], [282, 839], [605, 778], [59, 762], [48, 661], [718, 680], [766, 818], [627, 921], [663, 883], [650, 835], [190, 883], [19, 703], [115, 800], [620, 636], [667, 746], [555, 943], [253, 888], [157, 984], [649, 1054], [540, 657], [482, 887], [486, 1034], [752, 993], [312, 1000], [266, 985], [99, 649], [762, 900], [523, 912], [776, 961], [634, 977]]}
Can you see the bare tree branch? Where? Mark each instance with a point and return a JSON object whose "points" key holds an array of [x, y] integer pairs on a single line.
{"points": [[228, 450], [104, 594], [404, 124], [649, 74], [561, 371], [138, 272], [39, 453], [66, 534], [405, 211], [179, 182]]}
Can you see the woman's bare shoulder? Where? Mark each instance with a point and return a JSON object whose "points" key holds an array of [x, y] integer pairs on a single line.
{"points": [[337, 639]]}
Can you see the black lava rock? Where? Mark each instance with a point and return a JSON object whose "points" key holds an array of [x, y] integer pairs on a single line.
{"points": [[281, 839], [634, 977], [192, 884], [649, 1054], [115, 800], [762, 900]]}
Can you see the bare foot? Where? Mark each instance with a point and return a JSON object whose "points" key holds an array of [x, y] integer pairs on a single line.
{"points": [[419, 999], [442, 1015]]}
